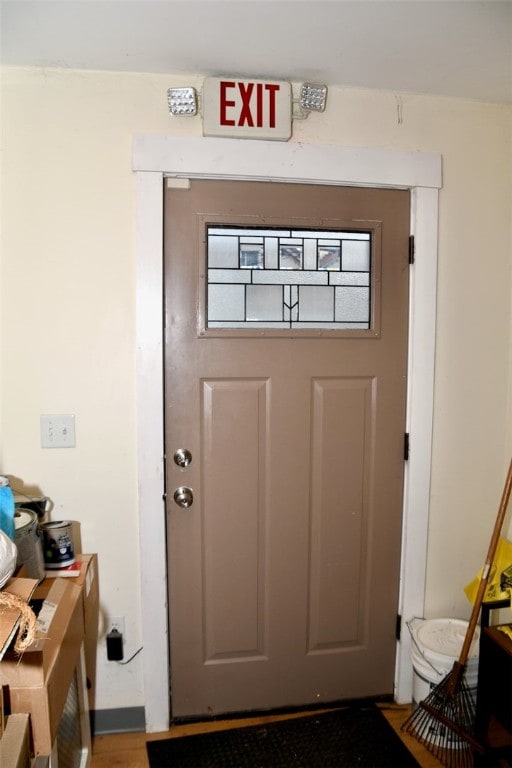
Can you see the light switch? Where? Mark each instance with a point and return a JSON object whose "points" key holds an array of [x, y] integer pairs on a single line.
{"points": [[58, 431]]}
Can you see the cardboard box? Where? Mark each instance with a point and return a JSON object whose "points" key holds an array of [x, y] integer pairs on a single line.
{"points": [[91, 605], [39, 681], [87, 578], [15, 744]]}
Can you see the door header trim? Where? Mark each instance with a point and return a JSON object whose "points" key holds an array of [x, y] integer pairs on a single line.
{"points": [[291, 162]]}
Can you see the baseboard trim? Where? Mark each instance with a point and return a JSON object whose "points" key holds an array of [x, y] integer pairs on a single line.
{"points": [[122, 720]]}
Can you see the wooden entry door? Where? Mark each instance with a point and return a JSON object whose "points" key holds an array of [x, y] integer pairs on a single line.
{"points": [[285, 418]]}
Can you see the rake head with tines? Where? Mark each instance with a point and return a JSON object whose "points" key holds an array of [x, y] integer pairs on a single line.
{"points": [[444, 722]]}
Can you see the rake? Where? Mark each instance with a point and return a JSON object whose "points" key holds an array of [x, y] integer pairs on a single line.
{"points": [[444, 721]]}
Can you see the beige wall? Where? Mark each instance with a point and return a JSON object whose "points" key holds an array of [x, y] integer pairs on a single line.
{"points": [[67, 319]]}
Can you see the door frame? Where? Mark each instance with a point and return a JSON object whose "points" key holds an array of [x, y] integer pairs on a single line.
{"points": [[179, 158]]}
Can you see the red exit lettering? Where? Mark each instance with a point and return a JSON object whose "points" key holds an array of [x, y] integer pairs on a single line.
{"points": [[258, 102]]}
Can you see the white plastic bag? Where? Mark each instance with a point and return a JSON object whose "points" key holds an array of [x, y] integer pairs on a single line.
{"points": [[8, 556]]}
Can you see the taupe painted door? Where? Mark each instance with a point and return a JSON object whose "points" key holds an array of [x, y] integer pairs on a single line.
{"points": [[283, 573]]}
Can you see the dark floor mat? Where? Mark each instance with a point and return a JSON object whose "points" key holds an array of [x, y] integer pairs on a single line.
{"points": [[355, 737]]}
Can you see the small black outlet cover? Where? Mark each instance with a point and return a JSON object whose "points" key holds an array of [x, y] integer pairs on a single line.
{"points": [[114, 646]]}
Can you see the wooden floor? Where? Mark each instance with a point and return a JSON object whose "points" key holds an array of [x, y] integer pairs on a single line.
{"points": [[129, 749]]}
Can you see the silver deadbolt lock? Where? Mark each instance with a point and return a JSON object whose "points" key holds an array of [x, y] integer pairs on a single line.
{"points": [[183, 497], [182, 457]]}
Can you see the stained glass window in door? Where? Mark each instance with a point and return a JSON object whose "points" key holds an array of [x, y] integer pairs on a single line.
{"points": [[288, 278]]}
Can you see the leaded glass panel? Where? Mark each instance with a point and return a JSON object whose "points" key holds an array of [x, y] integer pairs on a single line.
{"points": [[251, 256], [283, 278]]}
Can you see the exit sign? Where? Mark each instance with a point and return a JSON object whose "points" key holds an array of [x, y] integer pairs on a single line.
{"points": [[248, 109]]}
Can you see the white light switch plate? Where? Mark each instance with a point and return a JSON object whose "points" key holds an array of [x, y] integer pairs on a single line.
{"points": [[58, 431]]}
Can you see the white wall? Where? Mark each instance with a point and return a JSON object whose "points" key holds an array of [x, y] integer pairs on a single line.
{"points": [[68, 298]]}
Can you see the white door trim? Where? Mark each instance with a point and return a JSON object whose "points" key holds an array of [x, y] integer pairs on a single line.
{"points": [[155, 157]]}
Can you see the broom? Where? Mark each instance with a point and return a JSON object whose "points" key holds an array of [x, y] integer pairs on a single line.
{"points": [[444, 722]]}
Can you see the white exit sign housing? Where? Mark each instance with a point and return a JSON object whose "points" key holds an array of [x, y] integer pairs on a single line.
{"points": [[248, 109]]}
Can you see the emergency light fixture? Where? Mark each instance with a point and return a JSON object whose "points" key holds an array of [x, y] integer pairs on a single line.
{"points": [[182, 101], [313, 97], [245, 108]]}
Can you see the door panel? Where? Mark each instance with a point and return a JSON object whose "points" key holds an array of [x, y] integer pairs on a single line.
{"points": [[283, 574], [234, 568], [342, 425]]}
